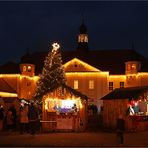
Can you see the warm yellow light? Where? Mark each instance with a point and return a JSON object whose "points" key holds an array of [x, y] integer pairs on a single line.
{"points": [[117, 77], [29, 67], [66, 103], [55, 46], [87, 66], [35, 78], [9, 75], [142, 73], [86, 73], [5, 94]]}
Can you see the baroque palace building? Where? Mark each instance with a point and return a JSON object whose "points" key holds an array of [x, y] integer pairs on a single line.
{"points": [[93, 72]]}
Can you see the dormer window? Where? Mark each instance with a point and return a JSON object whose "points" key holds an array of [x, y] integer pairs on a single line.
{"points": [[29, 68], [133, 66], [128, 67], [24, 68]]}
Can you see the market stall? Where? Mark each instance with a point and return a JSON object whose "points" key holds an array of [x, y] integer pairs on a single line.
{"points": [[131, 103], [65, 109]]}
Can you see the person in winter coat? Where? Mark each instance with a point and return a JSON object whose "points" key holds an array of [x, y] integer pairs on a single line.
{"points": [[33, 118], [120, 129], [13, 110], [9, 119], [24, 121]]}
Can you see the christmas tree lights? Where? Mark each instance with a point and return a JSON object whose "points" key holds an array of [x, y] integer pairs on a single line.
{"points": [[53, 74]]}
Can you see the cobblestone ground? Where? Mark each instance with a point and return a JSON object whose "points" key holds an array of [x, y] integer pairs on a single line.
{"points": [[86, 139]]}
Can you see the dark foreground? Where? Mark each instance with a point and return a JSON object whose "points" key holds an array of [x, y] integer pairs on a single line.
{"points": [[86, 139]]}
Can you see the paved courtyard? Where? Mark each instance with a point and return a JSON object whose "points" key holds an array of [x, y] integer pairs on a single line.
{"points": [[86, 139]]}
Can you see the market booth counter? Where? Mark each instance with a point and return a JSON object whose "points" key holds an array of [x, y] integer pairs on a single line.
{"points": [[131, 103], [138, 115], [65, 109]]}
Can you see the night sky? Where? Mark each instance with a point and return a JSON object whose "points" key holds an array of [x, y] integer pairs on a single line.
{"points": [[34, 26]]}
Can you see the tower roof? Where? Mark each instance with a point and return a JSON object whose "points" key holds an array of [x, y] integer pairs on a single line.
{"points": [[83, 28]]}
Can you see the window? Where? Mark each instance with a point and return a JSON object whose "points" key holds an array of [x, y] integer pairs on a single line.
{"points": [[24, 68], [111, 85], [121, 84], [133, 66], [75, 84], [29, 68], [128, 67], [91, 84]]}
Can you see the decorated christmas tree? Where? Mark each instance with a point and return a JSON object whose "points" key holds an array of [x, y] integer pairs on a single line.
{"points": [[52, 74]]}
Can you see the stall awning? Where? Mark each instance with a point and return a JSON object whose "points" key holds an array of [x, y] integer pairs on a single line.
{"points": [[126, 93]]}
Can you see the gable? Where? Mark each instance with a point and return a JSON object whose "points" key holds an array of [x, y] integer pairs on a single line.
{"points": [[76, 65]]}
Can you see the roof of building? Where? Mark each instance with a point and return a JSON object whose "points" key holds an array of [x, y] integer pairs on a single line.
{"points": [[75, 92], [9, 68], [105, 60], [126, 93], [5, 87]]}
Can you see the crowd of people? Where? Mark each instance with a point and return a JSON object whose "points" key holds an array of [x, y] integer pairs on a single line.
{"points": [[26, 119]]}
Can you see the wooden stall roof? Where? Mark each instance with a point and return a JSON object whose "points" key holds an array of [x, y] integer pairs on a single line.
{"points": [[72, 91], [126, 93], [75, 92], [5, 87]]}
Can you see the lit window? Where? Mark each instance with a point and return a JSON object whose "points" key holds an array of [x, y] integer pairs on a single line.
{"points": [[29, 68], [133, 66], [111, 85], [24, 69], [91, 84], [86, 39], [75, 84], [128, 67], [121, 84]]}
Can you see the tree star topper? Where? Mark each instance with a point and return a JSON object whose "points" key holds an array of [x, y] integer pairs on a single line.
{"points": [[55, 46]]}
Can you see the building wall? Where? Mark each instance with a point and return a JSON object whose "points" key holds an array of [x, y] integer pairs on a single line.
{"points": [[143, 78], [27, 86], [116, 79], [25, 83], [99, 79]]}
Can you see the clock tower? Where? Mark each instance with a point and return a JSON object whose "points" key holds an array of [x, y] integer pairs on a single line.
{"points": [[82, 38]]}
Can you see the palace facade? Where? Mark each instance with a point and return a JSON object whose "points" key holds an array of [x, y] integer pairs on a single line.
{"points": [[93, 72]]}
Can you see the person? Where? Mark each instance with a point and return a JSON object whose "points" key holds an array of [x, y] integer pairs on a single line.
{"points": [[9, 119], [120, 129], [1, 117], [13, 110], [33, 118], [24, 121]]}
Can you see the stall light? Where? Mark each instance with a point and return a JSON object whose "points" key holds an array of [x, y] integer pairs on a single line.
{"points": [[81, 106], [46, 107]]}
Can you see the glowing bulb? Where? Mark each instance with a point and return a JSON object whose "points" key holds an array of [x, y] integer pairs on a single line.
{"points": [[55, 46]]}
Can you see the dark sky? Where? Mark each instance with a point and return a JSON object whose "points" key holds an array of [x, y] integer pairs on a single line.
{"points": [[35, 25]]}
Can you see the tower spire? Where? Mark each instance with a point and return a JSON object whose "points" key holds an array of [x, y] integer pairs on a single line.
{"points": [[133, 46], [83, 37]]}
